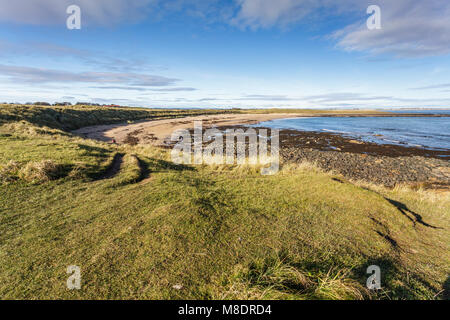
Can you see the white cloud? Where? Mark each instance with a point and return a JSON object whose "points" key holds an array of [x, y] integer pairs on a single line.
{"points": [[265, 97], [436, 86], [410, 28], [344, 96], [109, 12], [268, 13], [263, 13], [176, 89], [49, 12], [20, 74]]}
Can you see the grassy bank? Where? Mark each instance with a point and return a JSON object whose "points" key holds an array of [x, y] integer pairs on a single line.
{"points": [[75, 117], [139, 226]]}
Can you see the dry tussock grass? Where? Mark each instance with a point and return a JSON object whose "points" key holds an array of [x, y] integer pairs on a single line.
{"points": [[277, 279], [9, 172], [42, 171], [421, 194]]}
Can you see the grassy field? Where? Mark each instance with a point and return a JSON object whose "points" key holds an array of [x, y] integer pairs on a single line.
{"points": [[139, 226]]}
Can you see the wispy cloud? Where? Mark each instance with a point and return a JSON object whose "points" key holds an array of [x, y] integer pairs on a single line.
{"points": [[49, 12], [110, 12], [331, 100], [316, 99], [96, 59], [255, 14], [264, 97], [410, 29], [343, 96], [436, 86], [176, 89], [21, 74], [179, 89]]}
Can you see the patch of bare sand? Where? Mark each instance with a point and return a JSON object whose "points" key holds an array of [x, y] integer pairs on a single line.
{"points": [[157, 131]]}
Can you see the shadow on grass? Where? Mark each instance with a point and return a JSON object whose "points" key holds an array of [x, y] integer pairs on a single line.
{"points": [[397, 282], [114, 168], [405, 211], [148, 166], [446, 293], [282, 273], [94, 151], [158, 165], [416, 218]]}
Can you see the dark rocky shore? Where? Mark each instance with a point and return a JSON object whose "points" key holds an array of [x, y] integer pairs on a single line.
{"points": [[388, 165], [388, 171]]}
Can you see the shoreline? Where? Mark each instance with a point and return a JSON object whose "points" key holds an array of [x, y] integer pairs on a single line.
{"points": [[388, 165], [156, 132], [384, 164], [334, 141]]}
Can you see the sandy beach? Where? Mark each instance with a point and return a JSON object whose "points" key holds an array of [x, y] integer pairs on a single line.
{"points": [[158, 131]]}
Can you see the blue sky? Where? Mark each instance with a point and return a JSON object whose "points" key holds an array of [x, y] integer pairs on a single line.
{"points": [[235, 53]]}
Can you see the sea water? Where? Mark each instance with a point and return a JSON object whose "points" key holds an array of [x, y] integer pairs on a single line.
{"points": [[423, 132]]}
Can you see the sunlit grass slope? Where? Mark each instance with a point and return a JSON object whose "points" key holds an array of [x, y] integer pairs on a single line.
{"points": [[139, 226], [75, 117]]}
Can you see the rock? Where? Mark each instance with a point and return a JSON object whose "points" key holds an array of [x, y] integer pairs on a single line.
{"points": [[383, 170]]}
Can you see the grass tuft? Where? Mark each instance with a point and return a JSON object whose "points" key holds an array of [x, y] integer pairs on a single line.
{"points": [[279, 277], [41, 171], [9, 172]]}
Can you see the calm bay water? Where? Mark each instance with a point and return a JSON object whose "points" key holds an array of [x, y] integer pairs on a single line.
{"points": [[424, 132]]}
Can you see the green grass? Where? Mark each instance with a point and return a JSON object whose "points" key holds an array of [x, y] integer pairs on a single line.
{"points": [[218, 232], [75, 117]]}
